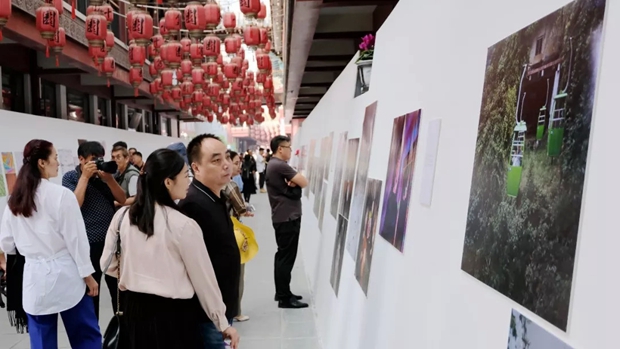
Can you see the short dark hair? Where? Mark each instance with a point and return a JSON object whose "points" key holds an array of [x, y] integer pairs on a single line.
{"points": [[138, 153], [89, 148], [193, 148], [123, 151], [260, 149], [134, 149], [276, 141], [232, 154], [119, 144]]}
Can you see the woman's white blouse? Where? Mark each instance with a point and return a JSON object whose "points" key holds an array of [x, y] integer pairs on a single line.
{"points": [[54, 243]]}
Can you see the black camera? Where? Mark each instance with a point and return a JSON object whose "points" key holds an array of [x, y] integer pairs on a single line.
{"points": [[106, 166]]}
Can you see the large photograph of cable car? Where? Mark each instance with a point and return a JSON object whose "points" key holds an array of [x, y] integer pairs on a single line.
{"points": [[530, 159]]}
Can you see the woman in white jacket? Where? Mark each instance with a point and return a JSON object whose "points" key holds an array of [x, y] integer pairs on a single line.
{"points": [[43, 221]]}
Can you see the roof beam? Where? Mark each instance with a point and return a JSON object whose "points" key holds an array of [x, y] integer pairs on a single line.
{"points": [[61, 71], [330, 58], [340, 35], [310, 95], [343, 3], [338, 68], [317, 84]]}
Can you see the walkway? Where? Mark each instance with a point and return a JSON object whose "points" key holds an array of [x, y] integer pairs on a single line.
{"points": [[268, 327]]}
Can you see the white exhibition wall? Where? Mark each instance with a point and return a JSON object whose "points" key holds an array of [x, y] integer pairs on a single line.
{"points": [[17, 129], [431, 55]]}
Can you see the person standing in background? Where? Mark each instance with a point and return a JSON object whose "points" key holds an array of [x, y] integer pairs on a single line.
{"points": [[42, 220], [96, 192], [206, 204], [237, 208], [260, 168], [248, 171], [283, 187], [138, 162], [127, 175]]}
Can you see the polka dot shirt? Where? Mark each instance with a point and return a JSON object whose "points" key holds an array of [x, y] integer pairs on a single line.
{"points": [[97, 209]]}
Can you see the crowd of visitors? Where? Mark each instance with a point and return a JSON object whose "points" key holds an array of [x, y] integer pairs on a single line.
{"points": [[122, 220]]}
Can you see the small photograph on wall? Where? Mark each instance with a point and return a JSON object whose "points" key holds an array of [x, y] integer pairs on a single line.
{"points": [[338, 173], [399, 179], [361, 175], [19, 160], [370, 217], [341, 236], [349, 176], [318, 177], [526, 334], [8, 165], [2, 185], [311, 158], [530, 160], [328, 157]]}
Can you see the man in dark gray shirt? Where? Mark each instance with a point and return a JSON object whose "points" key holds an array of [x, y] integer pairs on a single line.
{"points": [[284, 189]]}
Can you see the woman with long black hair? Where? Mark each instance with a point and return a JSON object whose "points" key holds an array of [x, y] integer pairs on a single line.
{"points": [[164, 263], [43, 221], [248, 171]]}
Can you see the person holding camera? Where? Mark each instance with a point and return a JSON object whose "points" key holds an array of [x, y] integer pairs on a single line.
{"points": [[94, 185]]}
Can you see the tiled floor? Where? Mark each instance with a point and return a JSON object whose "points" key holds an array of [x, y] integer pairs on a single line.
{"points": [[268, 327]]}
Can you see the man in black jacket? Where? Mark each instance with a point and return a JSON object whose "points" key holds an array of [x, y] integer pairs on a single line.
{"points": [[206, 204]]}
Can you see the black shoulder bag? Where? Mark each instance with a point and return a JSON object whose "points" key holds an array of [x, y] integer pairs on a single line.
{"points": [[112, 335]]}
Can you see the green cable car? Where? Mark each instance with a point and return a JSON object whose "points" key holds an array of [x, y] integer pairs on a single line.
{"points": [[516, 159], [540, 129], [555, 137]]}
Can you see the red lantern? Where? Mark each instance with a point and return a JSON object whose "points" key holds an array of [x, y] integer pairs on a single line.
{"points": [[160, 88], [152, 51], [230, 44], [167, 76], [129, 18], [137, 55], [231, 71], [57, 4], [237, 86], [135, 78], [159, 64], [141, 28], [251, 36], [268, 84], [230, 21], [186, 67], [219, 78], [198, 77], [172, 21], [206, 102], [267, 47], [260, 77], [187, 88], [262, 13], [176, 94], [219, 60], [213, 91], [196, 52], [108, 67], [174, 54], [239, 42], [163, 31], [106, 10], [47, 22], [211, 47], [210, 117], [58, 42], [245, 65], [109, 41], [263, 36], [251, 90], [195, 19], [186, 43], [98, 54], [225, 84], [213, 15], [211, 69], [263, 62], [5, 13], [197, 97], [153, 70], [153, 87], [224, 119], [249, 7]]}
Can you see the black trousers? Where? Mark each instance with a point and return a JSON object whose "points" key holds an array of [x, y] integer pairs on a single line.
{"points": [[96, 250], [261, 179], [287, 239]]}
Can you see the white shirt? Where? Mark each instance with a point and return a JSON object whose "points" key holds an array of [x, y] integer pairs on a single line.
{"points": [[54, 242], [260, 163]]}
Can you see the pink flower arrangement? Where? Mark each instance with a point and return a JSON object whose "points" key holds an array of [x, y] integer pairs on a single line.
{"points": [[367, 48]]}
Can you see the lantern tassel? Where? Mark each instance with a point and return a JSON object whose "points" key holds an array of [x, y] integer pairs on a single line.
{"points": [[108, 82], [57, 62], [135, 92], [47, 51], [0, 34], [73, 9]]}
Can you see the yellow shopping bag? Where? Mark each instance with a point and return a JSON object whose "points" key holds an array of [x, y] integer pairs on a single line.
{"points": [[248, 247]]}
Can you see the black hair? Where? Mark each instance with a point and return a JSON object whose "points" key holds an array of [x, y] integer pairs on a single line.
{"points": [[276, 141], [260, 149], [87, 149], [232, 154], [134, 149], [21, 201], [120, 144], [193, 148], [161, 164], [138, 153]]}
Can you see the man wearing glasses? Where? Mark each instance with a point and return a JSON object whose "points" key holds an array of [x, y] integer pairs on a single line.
{"points": [[284, 189]]}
